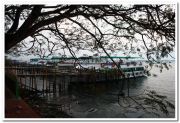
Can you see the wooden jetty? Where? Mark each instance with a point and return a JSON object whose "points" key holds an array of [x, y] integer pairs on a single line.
{"points": [[53, 81], [32, 73]]}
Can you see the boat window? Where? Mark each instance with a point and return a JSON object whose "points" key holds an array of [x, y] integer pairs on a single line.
{"points": [[139, 68], [133, 69]]}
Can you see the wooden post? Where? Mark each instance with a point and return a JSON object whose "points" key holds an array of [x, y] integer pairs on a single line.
{"points": [[25, 82], [20, 84], [64, 84], [46, 80], [128, 86], [17, 89], [29, 82], [49, 89], [59, 88], [35, 83], [54, 84], [16, 70], [32, 82], [43, 85]]}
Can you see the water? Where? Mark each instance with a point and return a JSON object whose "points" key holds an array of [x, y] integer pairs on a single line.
{"points": [[100, 100]]}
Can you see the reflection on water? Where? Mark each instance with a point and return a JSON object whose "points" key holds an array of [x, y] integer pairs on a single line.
{"points": [[110, 87], [100, 100]]}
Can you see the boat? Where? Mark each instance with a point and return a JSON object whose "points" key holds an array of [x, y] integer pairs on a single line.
{"points": [[130, 66], [65, 66]]}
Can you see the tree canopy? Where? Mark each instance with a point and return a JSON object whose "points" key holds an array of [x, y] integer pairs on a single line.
{"points": [[128, 28]]}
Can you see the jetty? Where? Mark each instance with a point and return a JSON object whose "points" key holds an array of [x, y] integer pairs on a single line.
{"points": [[28, 77]]}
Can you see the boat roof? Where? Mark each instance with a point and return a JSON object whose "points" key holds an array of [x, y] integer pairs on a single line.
{"points": [[95, 57], [56, 57], [120, 57]]}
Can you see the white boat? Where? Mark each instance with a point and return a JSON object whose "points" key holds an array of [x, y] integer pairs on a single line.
{"points": [[130, 66]]}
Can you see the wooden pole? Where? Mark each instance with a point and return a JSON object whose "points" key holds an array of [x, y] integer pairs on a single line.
{"points": [[32, 82], [25, 82], [29, 82], [43, 85], [46, 80], [17, 89]]}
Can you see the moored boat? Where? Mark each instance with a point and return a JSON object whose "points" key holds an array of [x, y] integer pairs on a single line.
{"points": [[130, 66]]}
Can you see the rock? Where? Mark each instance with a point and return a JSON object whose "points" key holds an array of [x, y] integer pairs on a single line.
{"points": [[92, 110], [37, 106], [19, 107]]}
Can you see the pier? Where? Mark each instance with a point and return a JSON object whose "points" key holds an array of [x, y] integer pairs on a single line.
{"points": [[53, 80], [46, 81]]}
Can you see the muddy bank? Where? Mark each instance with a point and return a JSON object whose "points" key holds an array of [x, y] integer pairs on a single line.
{"points": [[45, 109], [21, 103]]}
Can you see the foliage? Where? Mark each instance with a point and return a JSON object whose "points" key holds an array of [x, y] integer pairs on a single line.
{"points": [[45, 30], [150, 102], [45, 109], [157, 101]]}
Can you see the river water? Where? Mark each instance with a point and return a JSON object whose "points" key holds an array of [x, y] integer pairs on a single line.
{"points": [[101, 100], [97, 100]]}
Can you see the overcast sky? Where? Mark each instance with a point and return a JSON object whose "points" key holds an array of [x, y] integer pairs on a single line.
{"points": [[82, 52]]}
